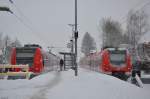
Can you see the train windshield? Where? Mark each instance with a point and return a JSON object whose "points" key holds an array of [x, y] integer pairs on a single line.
{"points": [[25, 55], [117, 57]]}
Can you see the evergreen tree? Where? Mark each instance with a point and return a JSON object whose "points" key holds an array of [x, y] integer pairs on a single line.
{"points": [[88, 44]]}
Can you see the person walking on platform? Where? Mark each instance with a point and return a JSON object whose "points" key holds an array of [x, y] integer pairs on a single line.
{"points": [[61, 63]]}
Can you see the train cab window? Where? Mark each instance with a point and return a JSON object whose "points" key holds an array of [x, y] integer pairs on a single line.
{"points": [[25, 55], [117, 57]]}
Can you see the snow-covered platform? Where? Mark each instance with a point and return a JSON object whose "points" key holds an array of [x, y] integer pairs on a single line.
{"points": [[64, 85]]}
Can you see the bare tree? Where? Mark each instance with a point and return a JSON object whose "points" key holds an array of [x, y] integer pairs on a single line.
{"points": [[112, 32], [137, 26], [88, 44]]}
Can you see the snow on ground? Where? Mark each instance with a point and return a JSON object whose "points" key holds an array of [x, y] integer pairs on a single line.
{"points": [[147, 87], [64, 85]]}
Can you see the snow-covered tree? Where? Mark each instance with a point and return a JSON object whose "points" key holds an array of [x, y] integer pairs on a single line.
{"points": [[16, 43], [111, 32], [6, 41], [88, 44], [137, 26], [6, 44]]}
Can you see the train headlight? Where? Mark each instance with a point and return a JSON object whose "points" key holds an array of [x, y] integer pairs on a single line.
{"points": [[129, 68]]}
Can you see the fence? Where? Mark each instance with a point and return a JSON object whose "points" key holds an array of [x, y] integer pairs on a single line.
{"points": [[7, 70]]}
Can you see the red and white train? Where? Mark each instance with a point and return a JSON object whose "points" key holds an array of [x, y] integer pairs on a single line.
{"points": [[34, 56], [116, 62], [112, 61]]}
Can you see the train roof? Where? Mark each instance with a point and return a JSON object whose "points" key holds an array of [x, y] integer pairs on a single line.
{"points": [[112, 49], [32, 45], [28, 47]]}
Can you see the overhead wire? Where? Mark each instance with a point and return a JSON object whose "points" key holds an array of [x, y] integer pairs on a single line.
{"points": [[29, 28], [25, 24], [18, 10]]}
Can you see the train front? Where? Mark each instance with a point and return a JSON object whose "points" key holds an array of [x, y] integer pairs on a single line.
{"points": [[30, 55], [116, 61]]}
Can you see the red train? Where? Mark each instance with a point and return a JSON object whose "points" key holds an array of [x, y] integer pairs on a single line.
{"points": [[29, 54], [38, 60], [117, 62], [30, 58]]}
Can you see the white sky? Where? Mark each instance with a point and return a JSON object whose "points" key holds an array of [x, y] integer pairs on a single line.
{"points": [[46, 21]]}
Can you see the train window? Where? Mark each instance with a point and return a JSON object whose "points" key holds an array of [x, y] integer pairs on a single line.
{"points": [[25, 55], [117, 57]]}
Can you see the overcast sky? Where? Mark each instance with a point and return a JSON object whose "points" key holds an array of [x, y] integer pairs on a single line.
{"points": [[46, 21]]}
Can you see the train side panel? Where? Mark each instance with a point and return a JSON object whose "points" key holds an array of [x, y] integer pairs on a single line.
{"points": [[13, 56], [38, 65]]}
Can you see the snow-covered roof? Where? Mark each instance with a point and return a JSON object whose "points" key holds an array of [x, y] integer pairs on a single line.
{"points": [[112, 49]]}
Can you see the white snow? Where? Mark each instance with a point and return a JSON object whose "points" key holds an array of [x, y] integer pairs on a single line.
{"points": [[64, 85]]}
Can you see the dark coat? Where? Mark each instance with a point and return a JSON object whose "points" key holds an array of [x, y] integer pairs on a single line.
{"points": [[61, 62]]}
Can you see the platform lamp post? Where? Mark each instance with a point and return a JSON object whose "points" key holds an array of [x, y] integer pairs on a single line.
{"points": [[76, 37]]}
